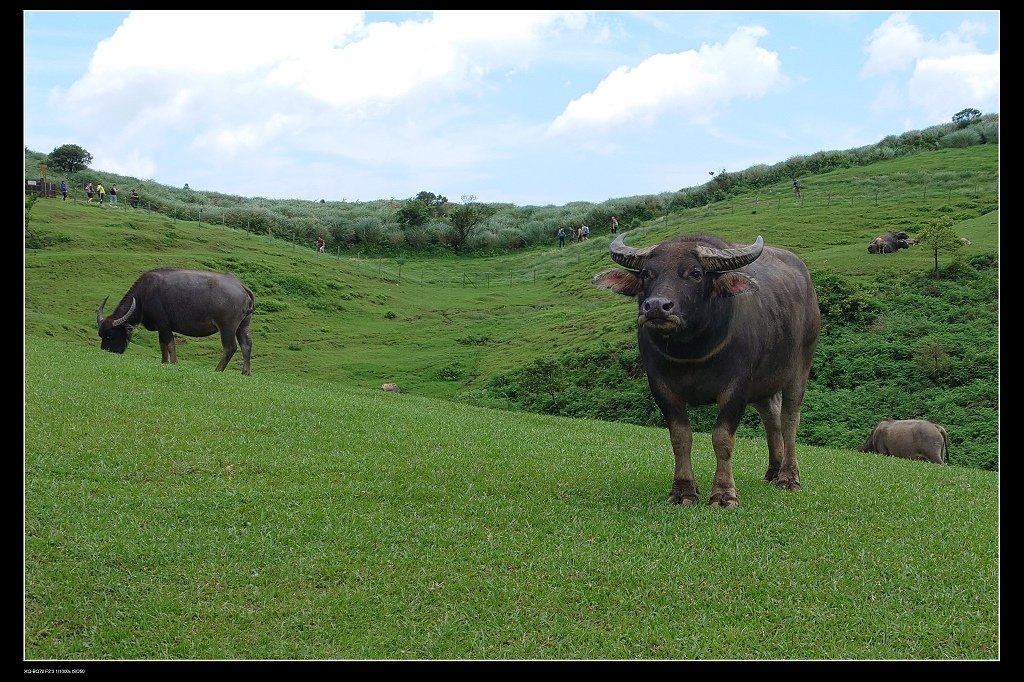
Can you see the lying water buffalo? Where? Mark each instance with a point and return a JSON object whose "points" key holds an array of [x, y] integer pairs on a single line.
{"points": [[727, 325], [909, 438], [189, 302], [891, 242]]}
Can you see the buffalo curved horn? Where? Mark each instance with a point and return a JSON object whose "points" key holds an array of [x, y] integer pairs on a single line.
{"points": [[628, 257], [720, 260], [121, 320], [99, 312]]}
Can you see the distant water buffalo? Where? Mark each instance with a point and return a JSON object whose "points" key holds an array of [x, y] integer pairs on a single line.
{"points": [[189, 302], [909, 438], [726, 324], [891, 242]]}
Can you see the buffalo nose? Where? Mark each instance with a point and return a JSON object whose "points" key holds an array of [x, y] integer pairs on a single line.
{"points": [[657, 306]]}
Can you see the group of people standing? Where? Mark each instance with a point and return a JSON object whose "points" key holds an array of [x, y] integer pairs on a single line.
{"points": [[582, 232], [101, 193]]}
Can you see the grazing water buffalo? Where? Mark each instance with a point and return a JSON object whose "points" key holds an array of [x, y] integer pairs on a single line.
{"points": [[909, 438], [189, 302], [721, 324]]}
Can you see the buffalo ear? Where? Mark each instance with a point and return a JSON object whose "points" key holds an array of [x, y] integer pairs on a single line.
{"points": [[732, 283], [620, 281]]}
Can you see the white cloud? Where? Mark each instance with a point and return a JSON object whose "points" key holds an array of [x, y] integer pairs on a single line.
{"points": [[948, 73], [693, 84], [893, 46], [942, 87], [234, 82], [897, 44]]}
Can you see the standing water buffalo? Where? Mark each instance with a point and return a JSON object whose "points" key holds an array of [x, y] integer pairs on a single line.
{"points": [[909, 438], [726, 325], [189, 302]]}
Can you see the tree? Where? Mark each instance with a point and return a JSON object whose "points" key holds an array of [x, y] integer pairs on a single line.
{"points": [[939, 236], [965, 117], [413, 213], [436, 202], [464, 219], [70, 158]]}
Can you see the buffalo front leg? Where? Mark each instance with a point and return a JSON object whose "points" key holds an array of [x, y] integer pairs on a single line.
{"points": [[789, 471], [771, 415], [167, 350], [723, 439], [684, 485]]}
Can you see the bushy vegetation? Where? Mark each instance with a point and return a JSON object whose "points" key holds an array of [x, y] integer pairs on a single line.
{"points": [[905, 348], [429, 221]]}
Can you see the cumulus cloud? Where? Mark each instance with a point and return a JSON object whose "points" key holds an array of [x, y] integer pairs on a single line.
{"points": [[247, 82], [947, 73], [943, 86], [692, 84], [897, 44]]}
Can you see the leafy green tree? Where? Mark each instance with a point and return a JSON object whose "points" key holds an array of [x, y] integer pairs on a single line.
{"points": [[70, 158], [938, 236], [965, 117], [413, 213], [464, 219], [435, 202]]}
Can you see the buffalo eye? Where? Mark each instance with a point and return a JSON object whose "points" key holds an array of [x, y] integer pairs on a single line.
{"points": [[696, 274]]}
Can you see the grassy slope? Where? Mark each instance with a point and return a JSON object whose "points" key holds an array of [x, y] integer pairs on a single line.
{"points": [[355, 524], [443, 326], [173, 513]]}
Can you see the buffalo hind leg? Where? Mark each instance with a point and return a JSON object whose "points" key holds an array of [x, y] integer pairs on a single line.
{"points": [[227, 338], [245, 341]]}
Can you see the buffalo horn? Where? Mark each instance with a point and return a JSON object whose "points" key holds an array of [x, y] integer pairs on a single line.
{"points": [[628, 257], [121, 320], [99, 312], [720, 260]]}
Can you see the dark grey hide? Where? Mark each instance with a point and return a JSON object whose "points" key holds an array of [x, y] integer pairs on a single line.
{"points": [[188, 302], [725, 324]]}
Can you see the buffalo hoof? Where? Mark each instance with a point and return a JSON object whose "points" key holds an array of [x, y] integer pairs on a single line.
{"points": [[787, 483], [676, 497], [683, 492], [724, 499]]}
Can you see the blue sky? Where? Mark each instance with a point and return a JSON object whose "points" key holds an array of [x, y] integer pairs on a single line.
{"points": [[526, 107]]}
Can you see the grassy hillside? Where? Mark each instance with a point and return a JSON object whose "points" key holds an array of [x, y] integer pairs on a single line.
{"points": [[527, 330], [175, 513], [301, 513]]}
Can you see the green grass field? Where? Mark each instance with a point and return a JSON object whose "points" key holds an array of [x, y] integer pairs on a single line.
{"points": [[175, 513], [301, 513]]}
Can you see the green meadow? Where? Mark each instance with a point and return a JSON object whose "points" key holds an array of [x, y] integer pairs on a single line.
{"points": [[171, 512]]}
